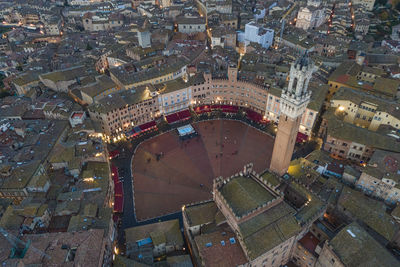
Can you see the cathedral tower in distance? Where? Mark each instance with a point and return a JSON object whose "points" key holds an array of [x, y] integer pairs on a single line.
{"points": [[294, 101]]}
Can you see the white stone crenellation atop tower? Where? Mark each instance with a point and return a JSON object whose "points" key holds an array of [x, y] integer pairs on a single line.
{"points": [[295, 97]]}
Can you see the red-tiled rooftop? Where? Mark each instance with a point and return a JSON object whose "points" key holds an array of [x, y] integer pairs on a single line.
{"points": [[343, 78], [215, 249], [88, 246], [336, 167], [309, 242], [77, 115]]}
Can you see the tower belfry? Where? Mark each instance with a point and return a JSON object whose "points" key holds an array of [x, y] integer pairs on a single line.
{"points": [[294, 101]]}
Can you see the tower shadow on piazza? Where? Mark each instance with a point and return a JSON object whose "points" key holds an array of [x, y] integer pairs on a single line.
{"points": [[170, 172]]}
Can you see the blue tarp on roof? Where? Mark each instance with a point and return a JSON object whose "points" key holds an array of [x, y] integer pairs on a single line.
{"points": [[144, 241]]}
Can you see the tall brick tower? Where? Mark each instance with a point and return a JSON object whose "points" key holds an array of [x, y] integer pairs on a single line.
{"points": [[294, 101]]}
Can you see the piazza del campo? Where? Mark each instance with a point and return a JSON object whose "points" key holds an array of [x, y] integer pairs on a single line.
{"points": [[221, 133]]}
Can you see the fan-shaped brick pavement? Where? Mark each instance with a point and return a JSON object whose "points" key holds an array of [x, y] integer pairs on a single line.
{"points": [[185, 170]]}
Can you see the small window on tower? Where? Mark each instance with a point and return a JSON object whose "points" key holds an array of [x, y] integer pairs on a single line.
{"points": [[294, 84]]}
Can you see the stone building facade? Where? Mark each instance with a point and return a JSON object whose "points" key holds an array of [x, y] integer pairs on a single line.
{"points": [[204, 89]]}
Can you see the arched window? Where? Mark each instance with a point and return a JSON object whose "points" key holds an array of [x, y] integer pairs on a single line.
{"points": [[294, 84]]}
